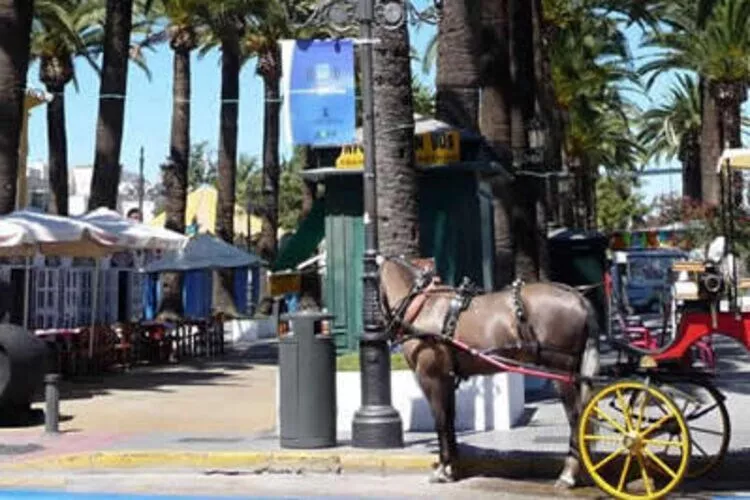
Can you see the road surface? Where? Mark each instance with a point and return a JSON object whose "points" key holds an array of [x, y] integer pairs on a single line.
{"points": [[193, 486]]}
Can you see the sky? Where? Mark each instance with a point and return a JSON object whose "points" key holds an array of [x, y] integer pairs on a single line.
{"points": [[148, 109]]}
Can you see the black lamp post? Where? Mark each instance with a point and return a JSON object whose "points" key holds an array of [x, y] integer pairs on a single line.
{"points": [[376, 423]]}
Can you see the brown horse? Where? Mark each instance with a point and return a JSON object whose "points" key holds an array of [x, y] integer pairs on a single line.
{"points": [[558, 330]]}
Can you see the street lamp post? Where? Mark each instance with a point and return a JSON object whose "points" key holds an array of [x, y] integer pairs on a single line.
{"points": [[376, 423]]}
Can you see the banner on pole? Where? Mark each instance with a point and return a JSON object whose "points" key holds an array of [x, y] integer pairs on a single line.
{"points": [[318, 86]]}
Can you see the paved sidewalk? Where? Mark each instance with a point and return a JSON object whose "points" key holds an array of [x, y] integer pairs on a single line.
{"points": [[220, 416]]}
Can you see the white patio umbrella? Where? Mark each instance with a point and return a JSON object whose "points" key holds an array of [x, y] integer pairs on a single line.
{"points": [[26, 233], [133, 234]]}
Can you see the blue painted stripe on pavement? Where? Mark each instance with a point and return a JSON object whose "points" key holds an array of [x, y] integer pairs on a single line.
{"points": [[63, 495], [44, 495]]}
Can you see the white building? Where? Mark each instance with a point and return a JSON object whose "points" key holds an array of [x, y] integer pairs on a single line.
{"points": [[79, 188]]}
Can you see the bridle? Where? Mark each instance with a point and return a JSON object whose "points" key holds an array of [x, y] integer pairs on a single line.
{"points": [[412, 302]]}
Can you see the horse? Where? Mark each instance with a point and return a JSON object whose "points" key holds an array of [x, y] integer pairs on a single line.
{"points": [[551, 325]]}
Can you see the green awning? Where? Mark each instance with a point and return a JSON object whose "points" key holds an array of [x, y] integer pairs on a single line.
{"points": [[304, 242]]}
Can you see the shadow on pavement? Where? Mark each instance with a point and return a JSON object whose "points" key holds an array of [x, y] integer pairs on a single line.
{"points": [[163, 377]]}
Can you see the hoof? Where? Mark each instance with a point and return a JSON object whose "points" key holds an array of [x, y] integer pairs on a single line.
{"points": [[565, 483], [442, 474]]}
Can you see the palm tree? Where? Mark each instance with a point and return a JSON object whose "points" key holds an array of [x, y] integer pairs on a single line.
{"points": [[183, 39], [70, 32], [494, 124], [17, 16], [673, 130], [718, 51], [398, 208], [109, 127], [589, 66], [277, 20], [226, 22], [181, 30], [457, 80]]}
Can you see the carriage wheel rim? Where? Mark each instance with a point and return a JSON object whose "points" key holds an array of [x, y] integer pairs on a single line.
{"points": [[633, 438], [711, 461]]}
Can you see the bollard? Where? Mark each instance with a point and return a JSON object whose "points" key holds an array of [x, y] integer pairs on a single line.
{"points": [[52, 402]]}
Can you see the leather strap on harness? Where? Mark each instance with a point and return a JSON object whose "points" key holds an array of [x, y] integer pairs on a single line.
{"points": [[460, 302], [528, 340]]}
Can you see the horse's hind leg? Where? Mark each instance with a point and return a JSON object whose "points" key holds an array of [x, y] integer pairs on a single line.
{"points": [[570, 394], [440, 393]]}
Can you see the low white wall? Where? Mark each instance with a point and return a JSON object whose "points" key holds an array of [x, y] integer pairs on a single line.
{"points": [[485, 403], [249, 330]]}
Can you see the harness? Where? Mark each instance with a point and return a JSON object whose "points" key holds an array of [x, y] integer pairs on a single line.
{"points": [[465, 292], [401, 329], [524, 330]]}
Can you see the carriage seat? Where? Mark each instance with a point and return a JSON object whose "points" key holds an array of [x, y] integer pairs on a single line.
{"points": [[638, 321]]}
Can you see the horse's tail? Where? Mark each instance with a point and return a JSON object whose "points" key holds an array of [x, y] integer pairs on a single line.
{"points": [[590, 356]]}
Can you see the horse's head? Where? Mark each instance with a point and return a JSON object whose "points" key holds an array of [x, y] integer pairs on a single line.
{"points": [[397, 279]]}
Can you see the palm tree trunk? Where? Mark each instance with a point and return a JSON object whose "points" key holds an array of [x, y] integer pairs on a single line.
{"points": [[270, 68], [457, 79], [398, 205], [691, 167], [710, 146], [309, 188], [109, 127], [15, 25], [545, 98], [494, 124], [729, 98], [179, 152], [58, 151], [524, 218], [230, 91]]}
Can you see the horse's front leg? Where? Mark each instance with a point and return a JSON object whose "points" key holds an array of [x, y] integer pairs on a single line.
{"points": [[440, 393]]}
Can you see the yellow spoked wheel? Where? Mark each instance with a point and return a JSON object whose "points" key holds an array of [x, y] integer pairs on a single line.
{"points": [[702, 406], [627, 441]]}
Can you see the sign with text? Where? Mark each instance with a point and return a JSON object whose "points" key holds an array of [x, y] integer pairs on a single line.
{"points": [[318, 85]]}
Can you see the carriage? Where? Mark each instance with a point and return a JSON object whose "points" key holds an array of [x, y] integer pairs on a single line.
{"points": [[654, 415]]}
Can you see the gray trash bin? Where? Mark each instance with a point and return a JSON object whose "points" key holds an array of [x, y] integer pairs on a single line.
{"points": [[307, 381]]}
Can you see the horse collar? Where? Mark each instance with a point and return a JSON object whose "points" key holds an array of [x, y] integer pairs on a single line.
{"points": [[518, 307]]}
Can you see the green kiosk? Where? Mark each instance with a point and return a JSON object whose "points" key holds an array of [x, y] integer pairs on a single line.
{"points": [[456, 222]]}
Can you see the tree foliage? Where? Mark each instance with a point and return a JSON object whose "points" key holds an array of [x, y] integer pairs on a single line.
{"points": [[666, 129], [203, 170], [424, 98], [619, 206]]}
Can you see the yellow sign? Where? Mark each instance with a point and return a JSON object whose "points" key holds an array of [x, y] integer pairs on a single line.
{"points": [[447, 148], [351, 157], [283, 283]]}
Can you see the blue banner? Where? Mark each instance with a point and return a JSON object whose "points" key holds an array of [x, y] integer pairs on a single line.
{"points": [[318, 84]]}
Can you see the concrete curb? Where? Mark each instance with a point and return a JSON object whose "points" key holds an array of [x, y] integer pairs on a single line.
{"points": [[512, 466], [288, 461], [251, 461]]}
